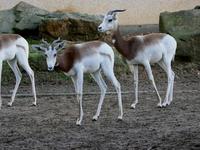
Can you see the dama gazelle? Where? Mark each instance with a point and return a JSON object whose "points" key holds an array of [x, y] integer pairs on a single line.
{"points": [[90, 57], [15, 49], [147, 49]]}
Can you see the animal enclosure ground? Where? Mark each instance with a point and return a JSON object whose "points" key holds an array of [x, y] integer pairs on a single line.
{"points": [[51, 125]]}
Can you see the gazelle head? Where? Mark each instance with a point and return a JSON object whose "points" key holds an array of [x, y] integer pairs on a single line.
{"points": [[110, 22], [50, 50]]}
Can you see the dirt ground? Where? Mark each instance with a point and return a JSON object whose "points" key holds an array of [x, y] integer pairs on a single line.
{"points": [[51, 125]]}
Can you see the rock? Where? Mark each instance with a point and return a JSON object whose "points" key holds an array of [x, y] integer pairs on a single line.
{"points": [[185, 27], [28, 20], [70, 26], [23, 19], [7, 21], [197, 7]]}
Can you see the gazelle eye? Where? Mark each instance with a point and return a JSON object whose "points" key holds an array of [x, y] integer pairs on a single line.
{"points": [[54, 55], [45, 55], [110, 20]]}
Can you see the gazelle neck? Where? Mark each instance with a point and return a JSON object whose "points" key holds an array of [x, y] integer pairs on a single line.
{"points": [[65, 61], [120, 44], [57, 65]]}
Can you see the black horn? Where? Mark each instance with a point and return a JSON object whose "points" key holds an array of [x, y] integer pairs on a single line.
{"points": [[45, 42], [116, 10]]}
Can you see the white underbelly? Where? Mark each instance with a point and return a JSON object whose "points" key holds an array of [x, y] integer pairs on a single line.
{"points": [[156, 57], [8, 53], [150, 55], [91, 64]]}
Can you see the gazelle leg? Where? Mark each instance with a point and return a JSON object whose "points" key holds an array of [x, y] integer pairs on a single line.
{"points": [[134, 70], [1, 65], [170, 83], [79, 92], [18, 76], [118, 89], [110, 74], [97, 77], [172, 88], [102, 80], [23, 61], [73, 80], [170, 78], [151, 78]]}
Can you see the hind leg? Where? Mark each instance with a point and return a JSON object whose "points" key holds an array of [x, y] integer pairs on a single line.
{"points": [[151, 78], [1, 64], [134, 70], [97, 77], [108, 71], [13, 65], [23, 61], [172, 89], [170, 78]]}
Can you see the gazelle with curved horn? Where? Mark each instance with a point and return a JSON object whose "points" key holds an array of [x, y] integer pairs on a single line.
{"points": [[147, 49], [90, 57], [15, 49]]}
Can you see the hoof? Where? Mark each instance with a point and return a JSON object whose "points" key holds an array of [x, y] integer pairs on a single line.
{"points": [[164, 104], [9, 104], [133, 106], [34, 104], [78, 122], [168, 103], [159, 105], [95, 118], [119, 117]]}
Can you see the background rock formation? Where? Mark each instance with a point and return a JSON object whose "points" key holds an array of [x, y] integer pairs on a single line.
{"points": [[31, 21], [185, 27]]}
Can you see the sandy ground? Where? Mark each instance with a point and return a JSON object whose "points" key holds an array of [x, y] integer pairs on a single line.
{"points": [[51, 125]]}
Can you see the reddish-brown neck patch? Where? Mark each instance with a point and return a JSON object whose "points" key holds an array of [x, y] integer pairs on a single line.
{"points": [[6, 39], [125, 47]]}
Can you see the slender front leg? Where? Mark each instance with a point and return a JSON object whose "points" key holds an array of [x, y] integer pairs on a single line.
{"points": [[134, 70], [23, 61], [102, 85], [151, 78], [74, 78], [0, 82], [18, 76], [79, 92]]}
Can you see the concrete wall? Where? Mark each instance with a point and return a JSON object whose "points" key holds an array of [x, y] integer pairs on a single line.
{"points": [[138, 11]]}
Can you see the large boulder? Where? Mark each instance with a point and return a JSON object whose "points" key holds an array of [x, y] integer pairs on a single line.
{"points": [[22, 18], [70, 26], [7, 21], [28, 20], [185, 27]]}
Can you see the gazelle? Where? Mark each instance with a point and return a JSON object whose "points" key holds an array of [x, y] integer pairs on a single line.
{"points": [[15, 48], [147, 49], [90, 57]]}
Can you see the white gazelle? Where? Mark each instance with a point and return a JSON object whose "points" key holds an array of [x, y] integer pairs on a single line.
{"points": [[147, 49], [15, 49], [89, 57]]}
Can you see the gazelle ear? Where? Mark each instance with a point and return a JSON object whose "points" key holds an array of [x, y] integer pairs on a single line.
{"points": [[38, 48], [114, 16], [60, 45]]}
